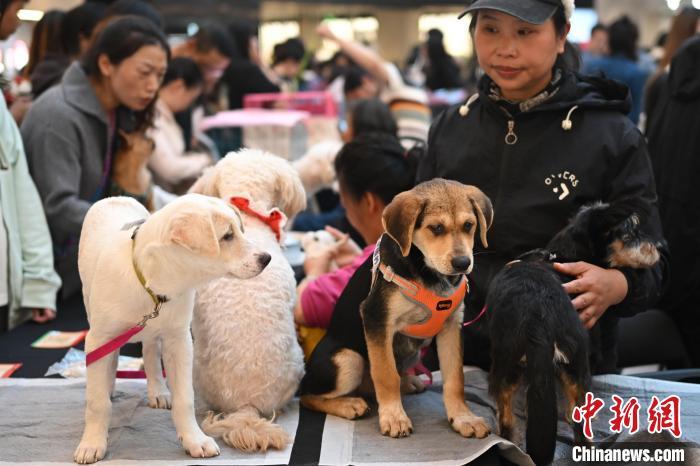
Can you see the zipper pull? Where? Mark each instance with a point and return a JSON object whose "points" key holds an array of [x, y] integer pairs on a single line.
{"points": [[511, 137]]}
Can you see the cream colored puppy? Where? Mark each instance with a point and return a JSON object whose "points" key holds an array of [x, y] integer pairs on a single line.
{"points": [[187, 243], [248, 362]]}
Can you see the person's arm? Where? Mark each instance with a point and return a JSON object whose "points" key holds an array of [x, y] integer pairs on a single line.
{"points": [[40, 282], [363, 56], [53, 154]]}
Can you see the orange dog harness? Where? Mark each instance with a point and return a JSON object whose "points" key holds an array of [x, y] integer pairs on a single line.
{"points": [[439, 307]]}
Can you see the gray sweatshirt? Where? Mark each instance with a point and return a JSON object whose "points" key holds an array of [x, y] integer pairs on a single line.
{"points": [[65, 136]]}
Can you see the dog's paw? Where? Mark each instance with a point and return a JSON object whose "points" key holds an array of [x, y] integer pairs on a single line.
{"points": [[411, 384], [89, 452], [160, 401], [352, 407], [200, 446], [257, 436], [468, 425], [394, 422]]}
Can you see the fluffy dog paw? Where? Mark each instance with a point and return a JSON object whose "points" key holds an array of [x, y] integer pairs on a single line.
{"points": [[89, 452], [160, 401], [200, 446], [411, 384], [394, 422], [352, 408], [468, 425]]}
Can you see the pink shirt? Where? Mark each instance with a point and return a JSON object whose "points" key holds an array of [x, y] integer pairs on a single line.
{"points": [[319, 297]]}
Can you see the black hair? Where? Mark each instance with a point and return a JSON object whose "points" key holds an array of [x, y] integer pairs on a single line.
{"points": [[623, 36], [80, 21], [120, 39], [214, 36], [570, 59], [599, 27], [442, 71], [46, 39], [186, 69], [354, 76], [371, 116], [291, 49], [375, 163], [135, 8], [241, 31]]}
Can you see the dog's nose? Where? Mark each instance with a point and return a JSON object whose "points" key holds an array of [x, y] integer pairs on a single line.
{"points": [[264, 259], [461, 263]]}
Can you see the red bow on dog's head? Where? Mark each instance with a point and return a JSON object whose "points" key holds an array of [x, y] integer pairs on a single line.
{"points": [[275, 219]]}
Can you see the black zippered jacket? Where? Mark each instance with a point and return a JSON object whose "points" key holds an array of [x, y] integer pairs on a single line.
{"points": [[538, 183]]}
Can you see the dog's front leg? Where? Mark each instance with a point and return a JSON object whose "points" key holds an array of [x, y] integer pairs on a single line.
{"points": [[158, 394], [449, 346], [177, 355], [393, 420], [98, 407]]}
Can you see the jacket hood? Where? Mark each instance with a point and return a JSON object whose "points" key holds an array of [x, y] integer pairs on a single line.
{"points": [[684, 78], [578, 90]]}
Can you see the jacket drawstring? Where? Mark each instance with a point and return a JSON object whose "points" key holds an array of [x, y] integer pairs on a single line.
{"points": [[464, 109], [567, 124]]}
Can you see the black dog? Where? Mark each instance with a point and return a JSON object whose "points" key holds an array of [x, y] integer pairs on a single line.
{"points": [[538, 332]]}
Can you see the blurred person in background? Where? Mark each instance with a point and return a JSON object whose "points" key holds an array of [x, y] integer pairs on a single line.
{"points": [[28, 282], [247, 73], [441, 70], [622, 64], [211, 48], [375, 77], [174, 169], [47, 56], [683, 27], [598, 45], [288, 63], [674, 145]]}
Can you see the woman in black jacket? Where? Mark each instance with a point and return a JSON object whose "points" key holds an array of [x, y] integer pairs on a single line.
{"points": [[541, 141]]}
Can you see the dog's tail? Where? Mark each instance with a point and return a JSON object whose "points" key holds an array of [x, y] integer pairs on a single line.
{"points": [[541, 395], [246, 430]]}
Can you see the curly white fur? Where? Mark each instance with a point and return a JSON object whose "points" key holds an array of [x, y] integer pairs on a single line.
{"points": [[248, 363]]}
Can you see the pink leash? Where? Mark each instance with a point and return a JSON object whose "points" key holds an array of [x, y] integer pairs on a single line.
{"points": [[112, 345], [466, 324]]}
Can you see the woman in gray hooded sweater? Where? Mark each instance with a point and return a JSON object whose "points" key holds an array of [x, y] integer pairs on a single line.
{"points": [[72, 132]]}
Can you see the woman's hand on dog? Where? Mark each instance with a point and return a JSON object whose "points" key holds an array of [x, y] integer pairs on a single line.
{"points": [[596, 289], [41, 316]]}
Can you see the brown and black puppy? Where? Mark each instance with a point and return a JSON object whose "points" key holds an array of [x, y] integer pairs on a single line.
{"points": [[428, 247]]}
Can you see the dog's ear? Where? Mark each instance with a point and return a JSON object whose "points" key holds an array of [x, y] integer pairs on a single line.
{"points": [[483, 208], [399, 219], [207, 183], [290, 195], [195, 232]]}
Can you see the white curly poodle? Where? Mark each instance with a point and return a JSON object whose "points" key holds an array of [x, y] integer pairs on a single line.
{"points": [[248, 363]]}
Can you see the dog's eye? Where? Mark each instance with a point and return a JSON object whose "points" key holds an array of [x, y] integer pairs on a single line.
{"points": [[468, 226], [437, 230], [228, 236]]}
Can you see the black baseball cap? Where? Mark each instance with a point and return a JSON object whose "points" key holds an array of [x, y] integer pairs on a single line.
{"points": [[530, 11]]}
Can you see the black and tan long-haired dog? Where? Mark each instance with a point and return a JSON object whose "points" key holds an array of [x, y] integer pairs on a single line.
{"points": [[418, 280], [538, 331]]}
